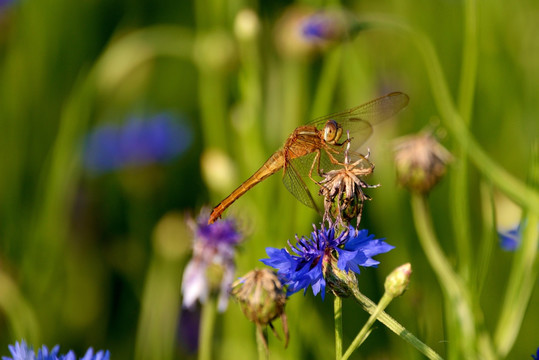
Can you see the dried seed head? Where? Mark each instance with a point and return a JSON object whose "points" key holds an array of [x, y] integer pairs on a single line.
{"points": [[421, 162], [342, 189]]}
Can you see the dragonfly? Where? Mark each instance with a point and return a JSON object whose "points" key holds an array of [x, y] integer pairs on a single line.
{"points": [[318, 147]]}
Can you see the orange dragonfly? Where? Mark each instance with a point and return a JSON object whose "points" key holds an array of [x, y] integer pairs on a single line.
{"points": [[317, 144]]}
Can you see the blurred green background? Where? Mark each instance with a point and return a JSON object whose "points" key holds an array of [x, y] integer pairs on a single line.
{"points": [[94, 257]]}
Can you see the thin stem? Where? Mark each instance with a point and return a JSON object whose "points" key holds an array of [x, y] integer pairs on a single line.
{"points": [[459, 178], [521, 282], [507, 183], [261, 344], [337, 310], [366, 330], [488, 235], [455, 293], [207, 324], [469, 61], [523, 276], [394, 325], [327, 84]]}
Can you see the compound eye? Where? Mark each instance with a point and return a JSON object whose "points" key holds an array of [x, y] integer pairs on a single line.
{"points": [[330, 130]]}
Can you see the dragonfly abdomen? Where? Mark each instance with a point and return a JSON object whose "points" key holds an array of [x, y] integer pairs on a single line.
{"points": [[270, 167]]}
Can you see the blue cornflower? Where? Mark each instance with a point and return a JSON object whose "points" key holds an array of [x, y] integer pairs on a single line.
{"points": [[510, 239], [21, 351], [311, 257], [213, 246], [139, 142], [536, 356]]}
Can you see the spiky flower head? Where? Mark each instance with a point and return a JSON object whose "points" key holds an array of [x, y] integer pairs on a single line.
{"points": [[324, 257], [421, 162], [21, 351]]}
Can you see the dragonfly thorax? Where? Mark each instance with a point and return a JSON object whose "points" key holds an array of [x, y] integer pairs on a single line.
{"points": [[332, 132]]}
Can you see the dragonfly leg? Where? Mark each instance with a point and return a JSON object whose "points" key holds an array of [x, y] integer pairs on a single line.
{"points": [[344, 142], [332, 158], [317, 162]]}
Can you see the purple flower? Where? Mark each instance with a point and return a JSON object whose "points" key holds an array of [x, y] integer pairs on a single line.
{"points": [[305, 265], [21, 351], [138, 142], [212, 264]]}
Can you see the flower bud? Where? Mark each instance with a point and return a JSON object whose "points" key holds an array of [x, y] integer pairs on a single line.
{"points": [[260, 295], [421, 162], [168, 236], [218, 170], [246, 24], [215, 51], [397, 282]]}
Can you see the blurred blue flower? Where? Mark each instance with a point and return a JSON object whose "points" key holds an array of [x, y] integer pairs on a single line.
{"points": [[321, 26], [21, 351], [212, 265], [536, 356], [138, 142], [510, 239], [305, 266], [5, 3]]}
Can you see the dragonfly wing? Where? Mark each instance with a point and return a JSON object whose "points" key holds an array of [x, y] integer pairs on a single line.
{"points": [[294, 183], [359, 132], [374, 111], [359, 120]]}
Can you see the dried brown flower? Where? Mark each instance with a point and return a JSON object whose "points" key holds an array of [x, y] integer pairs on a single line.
{"points": [[342, 189], [421, 162]]}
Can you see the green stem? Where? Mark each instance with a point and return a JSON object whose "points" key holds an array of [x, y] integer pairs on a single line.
{"points": [[20, 316], [366, 330], [488, 235], [469, 61], [394, 325], [337, 309], [523, 276], [207, 325], [459, 178], [261, 344], [457, 296], [328, 81], [521, 282], [525, 196], [213, 108]]}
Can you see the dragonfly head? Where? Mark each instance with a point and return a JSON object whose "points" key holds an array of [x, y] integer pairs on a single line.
{"points": [[332, 132]]}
